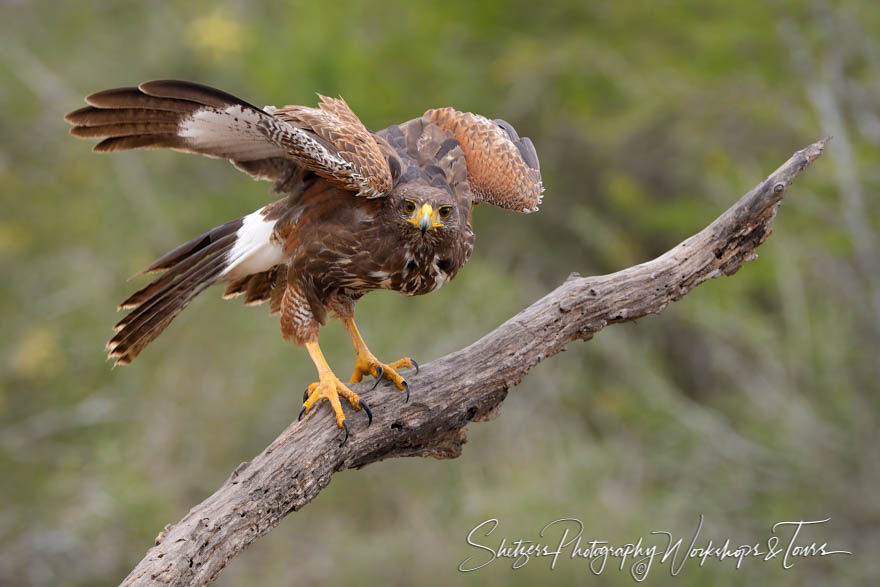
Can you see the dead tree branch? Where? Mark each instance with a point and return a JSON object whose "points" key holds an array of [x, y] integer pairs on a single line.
{"points": [[464, 386]]}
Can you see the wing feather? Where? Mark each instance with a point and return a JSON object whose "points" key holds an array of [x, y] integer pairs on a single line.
{"points": [[336, 124], [268, 144], [502, 168]]}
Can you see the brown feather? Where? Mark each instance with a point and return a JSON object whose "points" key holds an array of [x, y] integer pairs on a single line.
{"points": [[213, 253], [191, 268], [91, 116], [146, 322], [497, 171], [334, 122], [134, 98], [127, 350], [329, 140], [236, 288], [192, 246], [201, 94], [124, 129], [257, 287], [278, 290], [260, 287], [180, 283], [145, 141], [177, 115]]}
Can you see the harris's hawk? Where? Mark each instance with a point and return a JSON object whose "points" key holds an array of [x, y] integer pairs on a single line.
{"points": [[362, 210]]}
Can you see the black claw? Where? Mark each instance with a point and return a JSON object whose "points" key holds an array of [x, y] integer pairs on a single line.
{"points": [[344, 440], [369, 412], [380, 371], [301, 412], [406, 389], [415, 364], [305, 395]]}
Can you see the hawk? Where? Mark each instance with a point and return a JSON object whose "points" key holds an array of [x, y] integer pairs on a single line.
{"points": [[361, 211]]}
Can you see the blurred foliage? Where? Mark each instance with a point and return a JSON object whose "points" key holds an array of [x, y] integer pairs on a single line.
{"points": [[753, 400]]}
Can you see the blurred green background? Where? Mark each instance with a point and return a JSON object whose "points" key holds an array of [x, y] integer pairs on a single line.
{"points": [[753, 400]]}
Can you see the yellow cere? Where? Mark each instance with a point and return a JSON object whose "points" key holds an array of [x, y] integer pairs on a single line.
{"points": [[426, 212]]}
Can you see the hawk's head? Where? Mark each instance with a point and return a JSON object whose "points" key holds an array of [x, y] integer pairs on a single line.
{"points": [[428, 212]]}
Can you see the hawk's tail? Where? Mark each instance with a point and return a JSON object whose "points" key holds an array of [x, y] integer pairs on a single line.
{"points": [[239, 251]]}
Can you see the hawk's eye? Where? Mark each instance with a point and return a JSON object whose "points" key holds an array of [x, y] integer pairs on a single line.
{"points": [[409, 206], [445, 211]]}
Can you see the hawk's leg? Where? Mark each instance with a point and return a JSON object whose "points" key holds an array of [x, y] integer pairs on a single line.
{"points": [[367, 363], [329, 387]]}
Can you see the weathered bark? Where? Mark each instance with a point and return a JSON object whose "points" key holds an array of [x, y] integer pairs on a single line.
{"points": [[464, 386]]}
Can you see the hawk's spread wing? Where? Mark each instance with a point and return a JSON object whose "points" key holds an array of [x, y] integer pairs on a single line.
{"points": [[502, 167], [272, 143], [191, 117], [334, 122]]}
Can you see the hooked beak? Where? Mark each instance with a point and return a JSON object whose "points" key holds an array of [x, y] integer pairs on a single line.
{"points": [[426, 219]]}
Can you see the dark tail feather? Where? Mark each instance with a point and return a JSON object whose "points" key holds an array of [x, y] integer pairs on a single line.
{"points": [[183, 279], [187, 250], [189, 269]]}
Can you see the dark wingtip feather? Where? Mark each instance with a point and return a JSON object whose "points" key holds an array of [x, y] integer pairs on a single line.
{"points": [[192, 91], [147, 141], [155, 116], [91, 116], [80, 115], [118, 98], [527, 151], [110, 98], [125, 129]]}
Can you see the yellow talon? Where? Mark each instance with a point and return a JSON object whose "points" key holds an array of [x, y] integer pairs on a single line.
{"points": [[366, 362], [329, 387]]}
